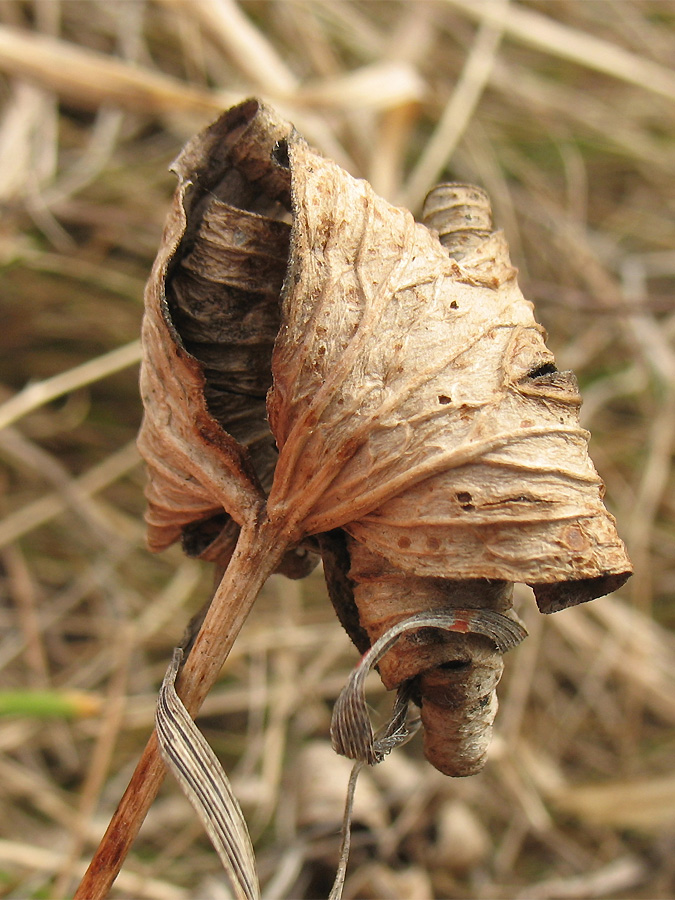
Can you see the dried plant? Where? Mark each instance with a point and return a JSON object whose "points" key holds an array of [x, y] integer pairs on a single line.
{"points": [[320, 372]]}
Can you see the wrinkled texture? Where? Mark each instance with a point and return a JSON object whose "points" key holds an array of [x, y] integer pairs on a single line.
{"points": [[212, 315], [407, 405], [405, 399], [196, 468], [320, 366]]}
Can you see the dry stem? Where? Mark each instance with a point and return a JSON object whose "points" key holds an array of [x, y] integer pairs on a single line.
{"points": [[257, 554]]}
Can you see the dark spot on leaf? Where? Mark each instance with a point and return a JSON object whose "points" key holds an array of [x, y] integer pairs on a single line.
{"points": [[443, 399], [455, 664], [454, 305], [404, 543]]}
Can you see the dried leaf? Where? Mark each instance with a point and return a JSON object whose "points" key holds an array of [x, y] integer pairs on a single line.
{"points": [[206, 786], [316, 363], [413, 399], [211, 318], [195, 468], [414, 404]]}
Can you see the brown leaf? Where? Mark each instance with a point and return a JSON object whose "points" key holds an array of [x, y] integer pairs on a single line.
{"points": [[413, 399], [423, 430], [416, 404], [211, 319], [195, 468]]}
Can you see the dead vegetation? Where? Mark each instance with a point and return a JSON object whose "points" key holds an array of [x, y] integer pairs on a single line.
{"points": [[564, 113]]}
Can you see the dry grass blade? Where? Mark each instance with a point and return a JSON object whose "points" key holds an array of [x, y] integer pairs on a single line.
{"points": [[459, 109], [205, 784], [647, 806], [569, 43], [36, 395], [39, 859], [37, 513], [90, 78], [247, 45], [27, 454], [619, 876], [378, 87]]}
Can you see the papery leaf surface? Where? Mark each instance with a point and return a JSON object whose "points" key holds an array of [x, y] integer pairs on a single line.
{"points": [[407, 405], [412, 398], [211, 319]]}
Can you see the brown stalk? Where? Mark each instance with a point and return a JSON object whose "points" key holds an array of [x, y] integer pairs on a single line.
{"points": [[258, 552]]}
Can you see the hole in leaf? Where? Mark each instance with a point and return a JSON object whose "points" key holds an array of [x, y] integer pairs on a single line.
{"points": [[545, 369], [280, 154], [465, 500]]}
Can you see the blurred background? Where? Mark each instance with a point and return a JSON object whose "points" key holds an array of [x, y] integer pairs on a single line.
{"points": [[565, 113]]}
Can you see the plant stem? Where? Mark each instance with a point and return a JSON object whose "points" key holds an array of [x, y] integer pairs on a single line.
{"points": [[257, 554]]}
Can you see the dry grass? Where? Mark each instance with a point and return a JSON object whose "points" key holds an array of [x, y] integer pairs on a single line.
{"points": [[565, 113]]}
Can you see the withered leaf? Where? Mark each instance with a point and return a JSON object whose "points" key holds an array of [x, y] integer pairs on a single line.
{"points": [[413, 400], [409, 407], [321, 370], [211, 319], [195, 467]]}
